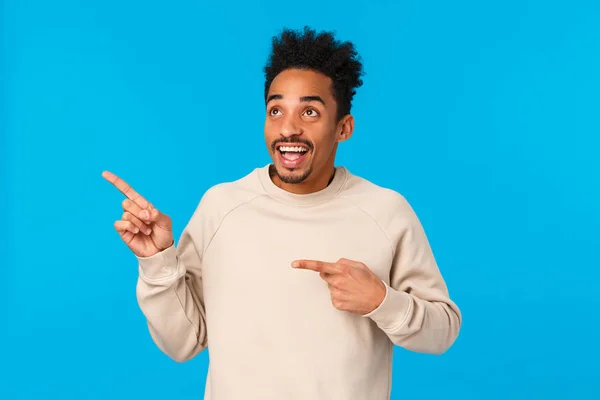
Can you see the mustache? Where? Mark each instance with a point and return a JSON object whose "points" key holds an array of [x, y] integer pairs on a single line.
{"points": [[292, 140]]}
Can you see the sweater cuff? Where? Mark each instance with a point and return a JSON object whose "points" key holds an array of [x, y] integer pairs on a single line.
{"points": [[393, 311], [160, 266]]}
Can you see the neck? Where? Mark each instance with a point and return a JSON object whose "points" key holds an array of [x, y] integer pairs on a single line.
{"points": [[311, 185]]}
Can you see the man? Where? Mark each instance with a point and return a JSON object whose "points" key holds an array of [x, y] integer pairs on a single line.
{"points": [[299, 277]]}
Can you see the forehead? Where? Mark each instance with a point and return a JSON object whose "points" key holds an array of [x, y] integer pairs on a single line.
{"points": [[297, 82]]}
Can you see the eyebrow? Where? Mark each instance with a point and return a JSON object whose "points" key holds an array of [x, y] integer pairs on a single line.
{"points": [[302, 99]]}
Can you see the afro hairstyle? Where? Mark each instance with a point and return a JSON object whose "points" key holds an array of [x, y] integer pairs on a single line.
{"points": [[319, 52]]}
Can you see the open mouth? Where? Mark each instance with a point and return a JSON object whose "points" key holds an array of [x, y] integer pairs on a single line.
{"points": [[292, 152], [292, 156]]}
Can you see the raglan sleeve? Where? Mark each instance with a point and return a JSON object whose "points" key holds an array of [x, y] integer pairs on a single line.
{"points": [[169, 291], [417, 312]]}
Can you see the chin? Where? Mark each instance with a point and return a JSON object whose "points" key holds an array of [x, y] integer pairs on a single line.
{"points": [[292, 176]]}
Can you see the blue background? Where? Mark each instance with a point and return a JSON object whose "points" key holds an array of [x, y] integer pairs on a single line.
{"points": [[483, 114]]}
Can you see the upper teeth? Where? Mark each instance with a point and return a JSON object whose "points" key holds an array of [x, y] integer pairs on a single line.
{"points": [[294, 149]]}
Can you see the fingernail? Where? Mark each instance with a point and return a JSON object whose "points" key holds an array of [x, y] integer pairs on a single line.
{"points": [[135, 230], [144, 214], [295, 264], [148, 231]]}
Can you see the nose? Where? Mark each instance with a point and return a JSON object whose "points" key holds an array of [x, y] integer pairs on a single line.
{"points": [[290, 127]]}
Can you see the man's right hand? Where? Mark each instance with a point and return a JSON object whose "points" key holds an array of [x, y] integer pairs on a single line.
{"points": [[142, 227]]}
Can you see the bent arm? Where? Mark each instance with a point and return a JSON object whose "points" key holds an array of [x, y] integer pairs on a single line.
{"points": [[423, 322], [417, 312], [169, 293]]}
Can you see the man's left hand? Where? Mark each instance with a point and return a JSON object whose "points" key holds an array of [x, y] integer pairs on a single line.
{"points": [[353, 286]]}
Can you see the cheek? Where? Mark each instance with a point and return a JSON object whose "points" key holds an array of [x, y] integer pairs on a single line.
{"points": [[326, 143], [271, 130]]}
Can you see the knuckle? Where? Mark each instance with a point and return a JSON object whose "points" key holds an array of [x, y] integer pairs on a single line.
{"points": [[137, 198]]}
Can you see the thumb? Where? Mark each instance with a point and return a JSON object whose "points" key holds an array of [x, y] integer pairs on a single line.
{"points": [[352, 263], [154, 215]]}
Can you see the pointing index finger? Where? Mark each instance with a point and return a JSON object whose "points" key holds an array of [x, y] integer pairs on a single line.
{"points": [[318, 266], [126, 189]]}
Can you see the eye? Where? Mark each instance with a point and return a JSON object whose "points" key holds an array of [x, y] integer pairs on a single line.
{"points": [[274, 112], [311, 112]]}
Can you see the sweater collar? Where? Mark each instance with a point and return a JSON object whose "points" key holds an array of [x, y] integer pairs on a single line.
{"points": [[335, 186]]}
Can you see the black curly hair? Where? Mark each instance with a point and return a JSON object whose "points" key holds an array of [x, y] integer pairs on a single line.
{"points": [[320, 52]]}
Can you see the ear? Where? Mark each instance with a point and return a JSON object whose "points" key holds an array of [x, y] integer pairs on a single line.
{"points": [[345, 128]]}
